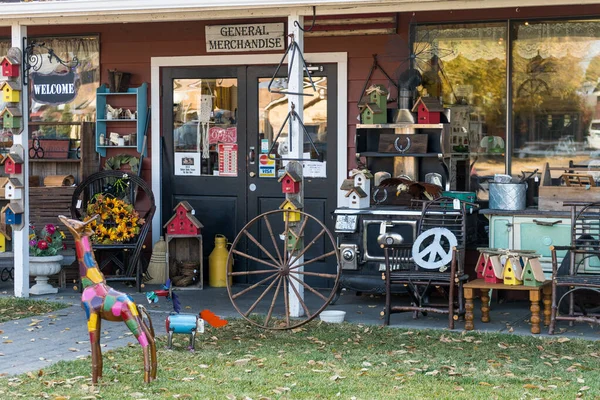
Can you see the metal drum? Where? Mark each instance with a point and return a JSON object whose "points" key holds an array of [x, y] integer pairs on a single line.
{"points": [[508, 196]]}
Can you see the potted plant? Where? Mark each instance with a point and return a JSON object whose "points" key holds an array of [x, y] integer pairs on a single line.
{"points": [[44, 257]]}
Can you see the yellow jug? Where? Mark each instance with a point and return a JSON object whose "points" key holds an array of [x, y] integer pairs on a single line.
{"points": [[217, 263]]}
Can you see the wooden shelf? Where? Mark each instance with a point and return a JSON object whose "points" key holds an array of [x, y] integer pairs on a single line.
{"points": [[378, 154], [385, 126], [55, 160]]}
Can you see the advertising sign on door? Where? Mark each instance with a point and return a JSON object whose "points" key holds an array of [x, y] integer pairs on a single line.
{"points": [[266, 166], [228, 159], [187, 164]]}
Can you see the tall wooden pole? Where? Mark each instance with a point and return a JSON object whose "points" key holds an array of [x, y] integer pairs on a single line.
{"points": [[296, 144]]}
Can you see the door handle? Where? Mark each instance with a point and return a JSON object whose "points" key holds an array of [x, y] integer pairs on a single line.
{"points": [[544, 223], [252, 155]]}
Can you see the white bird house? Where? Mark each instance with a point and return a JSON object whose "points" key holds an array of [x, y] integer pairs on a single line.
{"points": [[13, 189], [357, 198], [362, 179]]}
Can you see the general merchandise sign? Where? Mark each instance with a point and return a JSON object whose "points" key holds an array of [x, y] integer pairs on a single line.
{"points": [[246, 37]]}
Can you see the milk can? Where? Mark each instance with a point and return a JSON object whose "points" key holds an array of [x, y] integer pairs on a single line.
{"points": [[217, 263]]}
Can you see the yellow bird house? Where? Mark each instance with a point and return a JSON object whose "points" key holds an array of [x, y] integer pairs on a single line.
{"points": [[292, 206], [3, 238], [11, 93], [513, 271]]}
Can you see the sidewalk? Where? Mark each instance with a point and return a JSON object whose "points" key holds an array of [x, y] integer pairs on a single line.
{"points": [[43, 340]]}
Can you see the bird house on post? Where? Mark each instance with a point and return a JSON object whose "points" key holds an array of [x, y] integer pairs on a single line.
{"points": [[11, 92], [10, 67], [373, 105], [11, 117], [13, 214], [357, 198], [13, 189], [293, 241], [513, 271], [183, 222], [428, 109], [494, 272], [290, 182], [293, 207], [3, 238], [533, 274], [13, 164]]}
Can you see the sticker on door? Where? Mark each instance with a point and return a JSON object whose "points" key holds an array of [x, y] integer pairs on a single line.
{"points": [[266, 166]]}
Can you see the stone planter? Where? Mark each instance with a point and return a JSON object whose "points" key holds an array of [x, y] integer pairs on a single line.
{"points": [[42, 268]]}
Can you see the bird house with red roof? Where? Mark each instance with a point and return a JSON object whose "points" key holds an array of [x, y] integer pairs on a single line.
{"points": [[10, 67], [428, 109], [183, 222], [13, 164], [290, 182]]}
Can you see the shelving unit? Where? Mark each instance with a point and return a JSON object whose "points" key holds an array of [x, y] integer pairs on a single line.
{"points": [[135, 99]]}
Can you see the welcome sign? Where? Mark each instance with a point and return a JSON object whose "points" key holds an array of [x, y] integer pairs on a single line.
{"points": [[53, 88], [246, 37]]}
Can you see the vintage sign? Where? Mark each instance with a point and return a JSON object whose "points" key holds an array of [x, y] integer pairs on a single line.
{"points": [[54, 88], [187, 164], [246, 37], [221, 135]]}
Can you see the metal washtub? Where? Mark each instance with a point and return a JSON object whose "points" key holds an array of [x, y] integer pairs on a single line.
{"points": [[508, 196]]}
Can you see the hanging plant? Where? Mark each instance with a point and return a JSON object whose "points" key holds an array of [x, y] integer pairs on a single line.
{"points": [[116, 162]]}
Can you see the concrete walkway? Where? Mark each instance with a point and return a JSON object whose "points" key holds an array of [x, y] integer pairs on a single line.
{"points": [[34, 343]]}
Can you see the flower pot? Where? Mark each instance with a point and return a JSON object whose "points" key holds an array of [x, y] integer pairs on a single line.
{"points": [[42, 268]]}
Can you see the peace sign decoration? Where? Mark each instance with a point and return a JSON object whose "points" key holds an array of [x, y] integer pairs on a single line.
{"points": [[434, 253]]}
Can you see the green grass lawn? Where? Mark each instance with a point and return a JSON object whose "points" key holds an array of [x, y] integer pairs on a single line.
{"points": [[321, 361], [12, 308]]}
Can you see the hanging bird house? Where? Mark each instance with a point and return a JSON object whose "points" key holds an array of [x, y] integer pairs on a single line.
{"points": [[494, 272], [183, 222], [428, 109], [513, 271], [373, 105], [11, 92], [11, 117], [533, 274], [13, 164], [290, 182], [10, 67], [357, 198], [3, 238], [13, 214], [13, 189], [292, 206]]}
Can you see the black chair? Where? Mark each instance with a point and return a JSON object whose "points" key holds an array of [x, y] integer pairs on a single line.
{"points": [[576, 283], [434, 262], [124, 258]]}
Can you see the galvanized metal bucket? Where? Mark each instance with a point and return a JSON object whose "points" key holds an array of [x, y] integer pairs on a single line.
{"points": [[508, 196]]}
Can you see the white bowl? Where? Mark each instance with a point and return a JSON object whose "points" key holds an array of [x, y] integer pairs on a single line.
{"points": [[332, 316]]}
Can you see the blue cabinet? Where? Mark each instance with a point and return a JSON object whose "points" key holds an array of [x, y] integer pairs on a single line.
{"points": [[135, 100]]}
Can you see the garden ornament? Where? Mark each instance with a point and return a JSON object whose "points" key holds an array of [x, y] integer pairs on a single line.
{"points": [[100, 301]]}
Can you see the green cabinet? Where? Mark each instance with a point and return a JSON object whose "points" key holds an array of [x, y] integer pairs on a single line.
{"points": [[131, 127]]}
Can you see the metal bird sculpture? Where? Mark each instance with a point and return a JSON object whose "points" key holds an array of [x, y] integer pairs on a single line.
{"points": [[417, 190]]}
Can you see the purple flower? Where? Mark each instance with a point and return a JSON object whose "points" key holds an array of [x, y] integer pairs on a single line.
{"points": [[33, 242]]}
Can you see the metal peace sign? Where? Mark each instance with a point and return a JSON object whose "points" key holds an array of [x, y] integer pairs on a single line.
{"points": [[434, 255], [36, 151]]}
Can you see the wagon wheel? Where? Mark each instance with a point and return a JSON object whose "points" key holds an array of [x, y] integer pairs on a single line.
{"points": [[274, 275]]}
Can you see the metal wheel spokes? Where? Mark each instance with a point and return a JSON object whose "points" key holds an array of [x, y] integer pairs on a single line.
{"points": [[284, 285]]}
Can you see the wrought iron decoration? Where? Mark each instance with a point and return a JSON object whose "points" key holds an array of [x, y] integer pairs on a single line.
{"points": [[33, 58]]}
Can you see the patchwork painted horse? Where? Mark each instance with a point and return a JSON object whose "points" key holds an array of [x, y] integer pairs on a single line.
{"points": [[100, 301]]}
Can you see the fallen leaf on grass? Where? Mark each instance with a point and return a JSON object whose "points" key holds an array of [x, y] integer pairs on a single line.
{"points": [[459, 389], [503, 345], [563, 340], [530, 386]]}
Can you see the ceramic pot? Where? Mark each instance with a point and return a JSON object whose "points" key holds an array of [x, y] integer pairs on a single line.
{"points": [[42, 268]]}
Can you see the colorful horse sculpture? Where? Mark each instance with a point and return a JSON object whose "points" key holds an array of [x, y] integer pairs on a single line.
{"points": [[100, 301]]}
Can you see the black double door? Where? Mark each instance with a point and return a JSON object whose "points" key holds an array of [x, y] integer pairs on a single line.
{"points": [[218, 124]]}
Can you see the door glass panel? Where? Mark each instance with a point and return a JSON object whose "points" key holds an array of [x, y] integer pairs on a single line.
{"points": [[205, 127], [273, 110]]}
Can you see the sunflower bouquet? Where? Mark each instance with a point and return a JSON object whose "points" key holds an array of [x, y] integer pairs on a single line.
{"points": [[119, 222]]}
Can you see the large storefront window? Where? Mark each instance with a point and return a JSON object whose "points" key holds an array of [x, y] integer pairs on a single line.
{"points": [[467, 70], [556, 76]]}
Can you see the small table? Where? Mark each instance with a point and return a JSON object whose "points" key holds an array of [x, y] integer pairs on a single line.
{"points": [[534, 296]]}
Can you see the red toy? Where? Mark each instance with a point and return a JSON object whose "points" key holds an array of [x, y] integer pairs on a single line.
{"points": [[183, 222]]}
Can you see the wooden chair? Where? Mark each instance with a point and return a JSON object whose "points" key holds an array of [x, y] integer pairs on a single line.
{"points": [[434, 261], [125, 258], [576, 289]]}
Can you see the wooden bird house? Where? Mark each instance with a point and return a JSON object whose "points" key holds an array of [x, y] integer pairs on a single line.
{"points": [[13, 214], [362, 179], [533, 274], [11, 117], [373, 105], [13, 164], [513, 271], [3, 238], [290, 182], [357, 198], [482, 261], [10, 67], [183, 222], [13, 189], [494, 272], [11, 92], [292, 206], [429, 110], [294, 242]]}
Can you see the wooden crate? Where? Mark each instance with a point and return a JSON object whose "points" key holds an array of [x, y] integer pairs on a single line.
{"points": [[553, 191], [185, 248]]}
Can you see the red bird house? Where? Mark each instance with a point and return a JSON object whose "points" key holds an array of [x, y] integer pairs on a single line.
{"points": [[183, 222], [428, 110], [13, 164], [10, 67], [290, 182]]}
